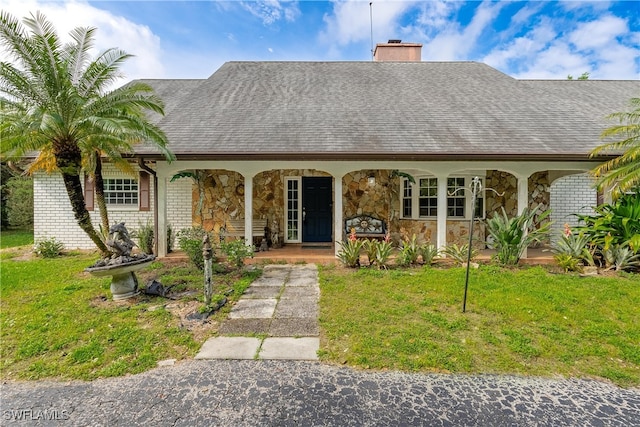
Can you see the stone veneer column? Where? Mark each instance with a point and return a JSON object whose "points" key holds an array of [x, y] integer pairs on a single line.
{"points": [[442, 211], [248, 208], [337, 212]]}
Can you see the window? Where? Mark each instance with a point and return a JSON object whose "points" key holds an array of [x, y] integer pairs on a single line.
{"points": [[121, 191], [428, 201], [456, 197], [420, 200]]}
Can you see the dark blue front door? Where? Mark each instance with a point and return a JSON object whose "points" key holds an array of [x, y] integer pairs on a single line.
{"points": [[317, 209]]}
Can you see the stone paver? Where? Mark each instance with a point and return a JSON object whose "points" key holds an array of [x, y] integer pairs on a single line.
{"points": [[254, 309], [290, 348], [229, 348], [282, 303], [268, 393]]}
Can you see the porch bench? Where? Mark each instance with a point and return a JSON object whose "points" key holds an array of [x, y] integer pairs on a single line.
{"points": [[235, 228], [366, 226]]}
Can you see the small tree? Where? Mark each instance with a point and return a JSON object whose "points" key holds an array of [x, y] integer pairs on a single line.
{"points": [[622, 173]]}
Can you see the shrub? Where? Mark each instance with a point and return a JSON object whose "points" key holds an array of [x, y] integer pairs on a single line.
{"points": [[621, 258], [48, 247], [617, 223], [170, 238], [429, 253], [379, 251], [349, 253], [145, 235], [190, 241], [511, 236], [409, 251], [19, 202], [572, 250], [459, 254], [236, 251]]}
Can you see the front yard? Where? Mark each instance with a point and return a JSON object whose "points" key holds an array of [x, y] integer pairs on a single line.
{"points": [[522, 321], [59, 322]]}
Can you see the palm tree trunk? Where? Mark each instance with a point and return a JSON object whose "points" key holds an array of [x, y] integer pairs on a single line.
{"points": [[68, 160], [99, 187]]}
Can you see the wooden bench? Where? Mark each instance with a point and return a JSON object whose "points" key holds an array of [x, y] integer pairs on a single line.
{"points": [[235, 228], [366, 226]]}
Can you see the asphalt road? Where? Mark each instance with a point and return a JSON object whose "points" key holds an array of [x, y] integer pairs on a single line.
{"points": [[297, 393]]}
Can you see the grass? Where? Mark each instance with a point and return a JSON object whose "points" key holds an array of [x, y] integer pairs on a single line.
{"points": [[525, 321], [13, 238], [58, 322]]}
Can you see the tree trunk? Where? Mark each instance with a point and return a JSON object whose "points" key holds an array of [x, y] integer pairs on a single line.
{"points": [[99, 187], [68, 160]]}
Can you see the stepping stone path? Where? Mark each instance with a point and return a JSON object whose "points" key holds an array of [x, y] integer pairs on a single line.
{"points": [[282, 305]]}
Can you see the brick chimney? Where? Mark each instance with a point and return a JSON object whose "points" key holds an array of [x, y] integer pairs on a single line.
{"points": [[395, 50]]}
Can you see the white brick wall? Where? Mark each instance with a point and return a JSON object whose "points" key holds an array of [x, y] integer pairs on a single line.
{"points": [[53, 216], [179, 204], [570, 194]]}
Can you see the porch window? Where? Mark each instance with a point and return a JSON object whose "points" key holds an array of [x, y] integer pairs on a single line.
{"points": [[420, 200], [121, 191], [456, 197], [428, 200]]}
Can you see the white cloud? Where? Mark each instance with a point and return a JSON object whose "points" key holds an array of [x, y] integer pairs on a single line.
{"points": [[271, 11], [558, 46], [599, 34], [113, 31], [351, 21], [454, 42]]}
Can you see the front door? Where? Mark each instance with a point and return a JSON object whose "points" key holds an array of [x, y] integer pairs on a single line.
{"points": [[317, 209]]}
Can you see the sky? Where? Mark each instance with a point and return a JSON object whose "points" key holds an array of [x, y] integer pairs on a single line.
{"points": [[191, 39]]}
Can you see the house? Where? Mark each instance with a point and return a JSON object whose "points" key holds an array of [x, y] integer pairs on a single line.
{"points": [[306, 145]]}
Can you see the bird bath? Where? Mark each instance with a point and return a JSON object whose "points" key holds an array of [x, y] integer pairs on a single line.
{"points": [[122, 265]]}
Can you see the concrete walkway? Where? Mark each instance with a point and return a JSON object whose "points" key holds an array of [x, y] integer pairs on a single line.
{"points": [[276, 318]]}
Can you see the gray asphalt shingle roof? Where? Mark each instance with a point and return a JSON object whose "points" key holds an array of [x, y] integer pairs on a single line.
{"points": [[422, 110]]}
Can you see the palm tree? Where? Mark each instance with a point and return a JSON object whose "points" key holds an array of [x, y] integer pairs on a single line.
{"points": [[54, 100], [622, 173]]}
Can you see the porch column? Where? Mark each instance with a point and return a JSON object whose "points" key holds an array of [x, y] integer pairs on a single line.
{"points": [[442, 211], [248, 209], [337, 212], [523, 199], [162, 215]]}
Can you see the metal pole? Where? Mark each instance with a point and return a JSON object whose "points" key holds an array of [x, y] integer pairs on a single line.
{"points": [[474, 187]]}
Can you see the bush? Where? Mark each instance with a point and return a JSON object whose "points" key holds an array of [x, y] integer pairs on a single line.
{"points": [[145, 235], [511, 236], [429, 253], [378, 252], [236, 252], [349, 253], [573, 251], [19, 202], [170, 238], [460, 253], [48, 247], [409, 251], [190, 241]]}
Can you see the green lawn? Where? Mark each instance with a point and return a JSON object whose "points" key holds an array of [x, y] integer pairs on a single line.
{"points": [[13, 238], [525, 321], [58, 322]]}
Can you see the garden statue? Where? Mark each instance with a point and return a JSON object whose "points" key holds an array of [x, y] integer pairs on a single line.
{"points": [[122, 264], [275, 234]]}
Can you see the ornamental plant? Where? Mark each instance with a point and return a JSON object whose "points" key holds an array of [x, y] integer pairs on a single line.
{"points": [[349, 253], [511, 236], [190, 241], [573, 251], [236, 251]]}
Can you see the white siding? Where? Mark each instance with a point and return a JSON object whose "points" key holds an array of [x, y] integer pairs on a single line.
{"points": [[569, 195]]}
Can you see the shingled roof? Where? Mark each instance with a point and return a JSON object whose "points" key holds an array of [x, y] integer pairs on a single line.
{"points": [[384, 110]]}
